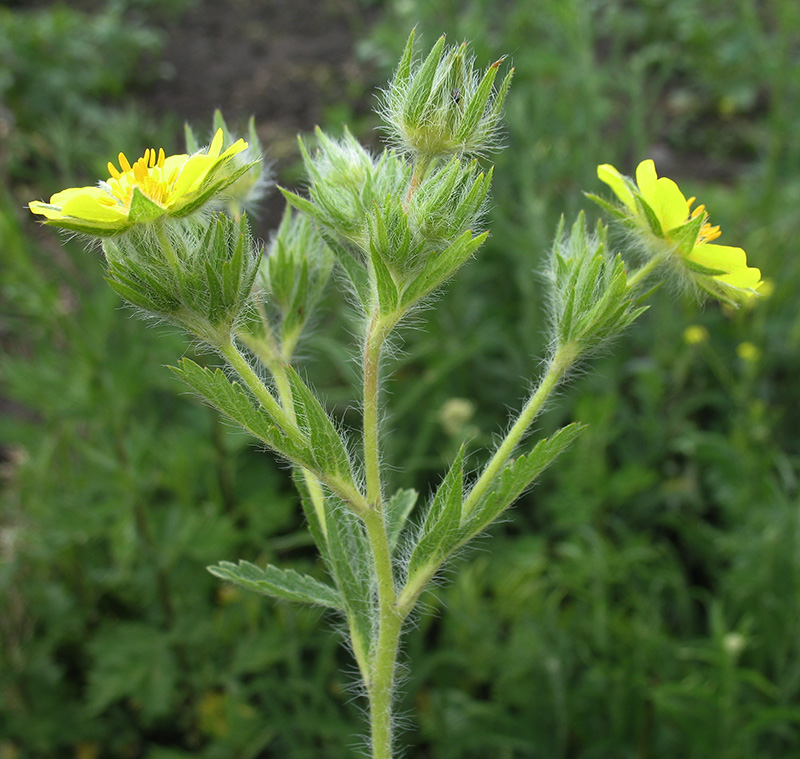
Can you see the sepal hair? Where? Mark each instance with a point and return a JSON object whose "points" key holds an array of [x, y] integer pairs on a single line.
{"points": [[197, 273], [442, 106], [590, 299]]}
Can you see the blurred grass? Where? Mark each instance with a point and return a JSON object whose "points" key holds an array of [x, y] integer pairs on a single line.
{"points": [[642, 601]]}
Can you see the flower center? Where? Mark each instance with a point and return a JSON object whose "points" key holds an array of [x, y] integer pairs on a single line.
{"points": [[707, 232], [147, 173]]}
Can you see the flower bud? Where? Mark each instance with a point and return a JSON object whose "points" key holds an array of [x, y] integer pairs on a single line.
{"points": [[346, 182], [442, 106], [293, 274], [197, 273], [591, 301]]}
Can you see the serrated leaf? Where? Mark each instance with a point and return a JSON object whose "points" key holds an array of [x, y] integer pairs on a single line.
{"points": [[233, 401], [517, 476], [326, 443], [396, 512], [350, 565], [279, 583], [440, 530]]}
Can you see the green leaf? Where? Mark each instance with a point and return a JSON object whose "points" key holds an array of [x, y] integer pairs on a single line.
{"points": [[440, 530], [516, 477], [350, 565], [326, 443], [233, 401], [279, 583], [396, 513]]}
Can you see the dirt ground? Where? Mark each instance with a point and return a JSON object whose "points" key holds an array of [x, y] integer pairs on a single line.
{"points": [[282, 61]]}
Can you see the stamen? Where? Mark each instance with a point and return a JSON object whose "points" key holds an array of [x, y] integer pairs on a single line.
{"points": [[161, 158], [123, 162], [112, 171]]}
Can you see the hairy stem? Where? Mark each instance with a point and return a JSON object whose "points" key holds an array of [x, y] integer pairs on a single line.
{"points": [[644, 271], [383, 658], [266, 349], [562, 360], [376, 334]]}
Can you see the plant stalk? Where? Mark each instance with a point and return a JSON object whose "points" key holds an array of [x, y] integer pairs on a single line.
{"points": [[562, 360]]}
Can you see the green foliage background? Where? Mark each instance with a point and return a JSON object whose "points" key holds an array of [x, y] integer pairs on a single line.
{"points": [[643, 601]]}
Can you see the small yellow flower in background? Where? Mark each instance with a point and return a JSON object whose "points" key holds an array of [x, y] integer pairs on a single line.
{"points": [[695, 334], [657, 205], [748, 352], [153, 187]]}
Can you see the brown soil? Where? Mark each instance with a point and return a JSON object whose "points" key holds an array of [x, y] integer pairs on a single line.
{"points": [[282, 61]]}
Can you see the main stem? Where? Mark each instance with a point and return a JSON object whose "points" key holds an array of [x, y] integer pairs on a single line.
{"points": [[383, 659]]}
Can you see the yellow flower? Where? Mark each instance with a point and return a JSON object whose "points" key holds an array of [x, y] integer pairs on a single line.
{"points": [[748, 352], [152, 187], [657, 205], [695, 334]]}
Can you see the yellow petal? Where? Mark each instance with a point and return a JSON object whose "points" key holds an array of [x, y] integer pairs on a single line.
{"points": [[44, 209], [216, 144], [192, 174], [235, 149], [608, 174], [60, 198], [662, 195], [733, 261], [89, 208]]}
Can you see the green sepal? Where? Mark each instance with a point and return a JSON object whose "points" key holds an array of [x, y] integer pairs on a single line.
{"points": [[477, 105], [610, 208], [87, 228], [697, 268], [142, 209], [284, 584], [353, 267], [403, 72], [210, 188], [516, 477], [440, 266], [192, 145], [396, 513], [385, 286], [133, 295], [440, 530], [420, 88], [685, 235], [650, 215]]}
